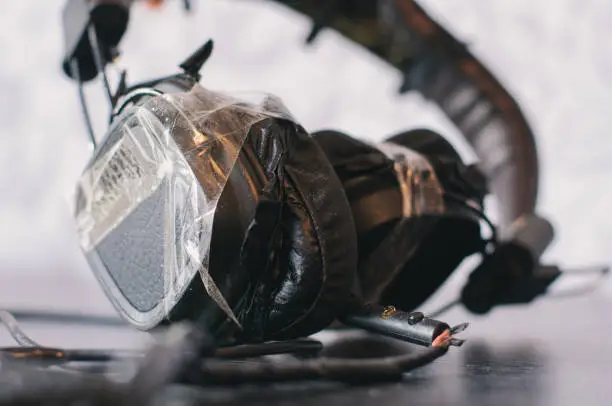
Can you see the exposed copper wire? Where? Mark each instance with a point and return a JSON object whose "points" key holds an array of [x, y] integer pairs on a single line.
{"points": [[443, 340]]}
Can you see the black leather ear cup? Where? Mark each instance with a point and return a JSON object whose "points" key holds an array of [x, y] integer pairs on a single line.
{"points": [[300, 250], [394, 269]]}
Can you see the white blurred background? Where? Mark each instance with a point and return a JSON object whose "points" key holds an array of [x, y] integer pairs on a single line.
{"points": [[552, 54]]}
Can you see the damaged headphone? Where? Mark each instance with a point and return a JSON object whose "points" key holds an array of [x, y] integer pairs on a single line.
{"points": [[224, 211], [198, 204]]}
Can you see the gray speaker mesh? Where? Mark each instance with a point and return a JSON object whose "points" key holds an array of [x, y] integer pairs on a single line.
{"points": [[133, 255]]}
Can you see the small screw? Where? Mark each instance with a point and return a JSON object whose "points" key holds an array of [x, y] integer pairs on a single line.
{"points": [[388, 311], [415, 317]]}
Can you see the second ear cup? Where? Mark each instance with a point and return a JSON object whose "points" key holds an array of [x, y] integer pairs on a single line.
{"points": [[301, 250], [393, 268], [372, 188]]}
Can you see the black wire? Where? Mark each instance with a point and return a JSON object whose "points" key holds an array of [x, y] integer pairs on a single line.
{"points": [[186, 355], [491, 241], [342, 370], [31, 350], [304, 347], [74, 69], [100, 390], [301, 347], [98, 54]]}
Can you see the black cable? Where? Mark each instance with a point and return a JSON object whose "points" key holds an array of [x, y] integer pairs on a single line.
{"points": [[342, 370], [103, 391], [299, 347], [493, 240], [305, 347], [217, 372], [31, 350], [74, 69], [186, 355], [98, 56]]}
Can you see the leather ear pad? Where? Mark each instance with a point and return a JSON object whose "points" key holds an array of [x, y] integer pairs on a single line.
{"points": [[393, 268], [300, 250]]}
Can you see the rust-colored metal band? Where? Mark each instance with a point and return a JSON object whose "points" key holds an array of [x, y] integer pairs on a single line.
{"points": [[441, 68]]}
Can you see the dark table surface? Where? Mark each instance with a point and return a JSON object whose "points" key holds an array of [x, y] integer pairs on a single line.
{"points": [[553, 352]]}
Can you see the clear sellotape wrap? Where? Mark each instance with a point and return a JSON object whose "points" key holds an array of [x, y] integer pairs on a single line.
{"points": [[154, 185], [421, 190]]}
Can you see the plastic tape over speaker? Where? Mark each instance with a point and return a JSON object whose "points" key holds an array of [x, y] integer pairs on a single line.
{"points": [[173, 155]]}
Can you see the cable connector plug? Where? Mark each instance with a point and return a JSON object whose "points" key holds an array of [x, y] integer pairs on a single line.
{"points": [[412, 327]]}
